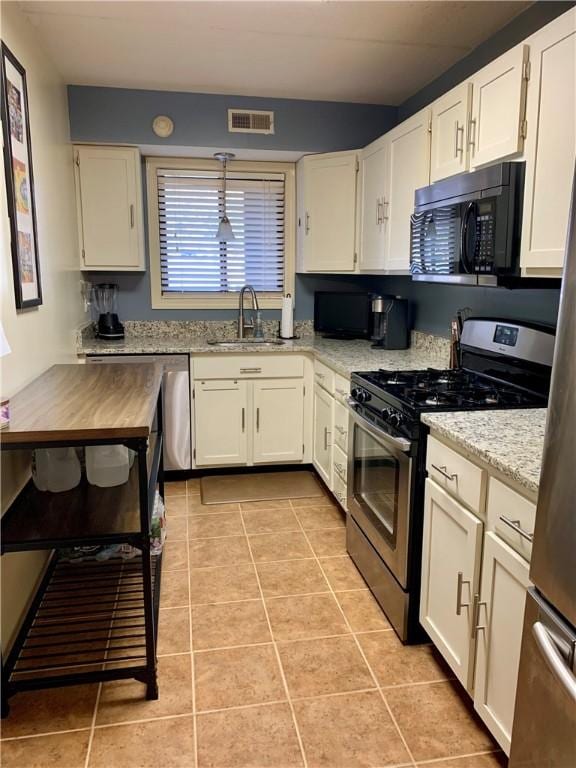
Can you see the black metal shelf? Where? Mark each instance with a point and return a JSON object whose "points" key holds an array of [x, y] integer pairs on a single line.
{"points": [[66, 640], [89, 621], [83, 516]]}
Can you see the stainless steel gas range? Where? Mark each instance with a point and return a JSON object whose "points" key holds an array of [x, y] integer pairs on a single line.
{"points": [[505, 364]]}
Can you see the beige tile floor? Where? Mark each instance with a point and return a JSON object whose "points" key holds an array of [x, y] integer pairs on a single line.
{"points": [[272, 654]]}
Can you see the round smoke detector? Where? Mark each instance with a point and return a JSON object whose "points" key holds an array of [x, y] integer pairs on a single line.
{"points": [[162, 126]]}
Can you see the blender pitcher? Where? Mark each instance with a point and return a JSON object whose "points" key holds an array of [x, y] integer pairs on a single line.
{"points": [[105, 300]]}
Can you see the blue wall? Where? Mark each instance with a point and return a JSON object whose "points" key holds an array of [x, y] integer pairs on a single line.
{"points": [[201, 120]]}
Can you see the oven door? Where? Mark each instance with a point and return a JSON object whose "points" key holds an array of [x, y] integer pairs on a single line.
{"points": [[379, 476]]}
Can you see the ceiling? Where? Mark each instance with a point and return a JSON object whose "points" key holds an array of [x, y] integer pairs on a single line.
{"points": [[366, 52]]}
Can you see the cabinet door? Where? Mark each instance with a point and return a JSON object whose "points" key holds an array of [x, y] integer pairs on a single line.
{"points": [[408, 169], [550, 147], [330, 212], [220, 418], [499, 635], [323, 421], [278, 421], [450, 120], [498, 105], [373, 192], [450, 572], [109, 206]]}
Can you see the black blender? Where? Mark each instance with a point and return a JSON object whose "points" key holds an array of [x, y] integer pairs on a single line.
{"points": [[105, 302]]}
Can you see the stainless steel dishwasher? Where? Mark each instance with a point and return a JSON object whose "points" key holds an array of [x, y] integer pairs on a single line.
{"points": [[175, 401]]}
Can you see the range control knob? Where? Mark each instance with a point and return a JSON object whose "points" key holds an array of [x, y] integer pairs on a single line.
{"points": [[395, 419], [360, 395]]}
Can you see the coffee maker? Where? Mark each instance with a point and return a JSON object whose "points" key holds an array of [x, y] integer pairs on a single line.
{"points": [[105, 302], [390, 326]]}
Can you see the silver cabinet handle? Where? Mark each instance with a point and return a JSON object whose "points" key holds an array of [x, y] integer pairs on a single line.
{"points": [[326, 443], [515, 525], [131, 216], [554, 659], [385, 205], [444, 472], [320, 376], [257, 419], [243, 419], [307, 223], [342, 392], [472, 134], [339, 469], [250, 370], [456, 139], [379, 210], [460, 583], [340, 429], [476, 615]]}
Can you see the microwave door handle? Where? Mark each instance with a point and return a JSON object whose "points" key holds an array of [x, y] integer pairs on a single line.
{"points": [[464, 238]]}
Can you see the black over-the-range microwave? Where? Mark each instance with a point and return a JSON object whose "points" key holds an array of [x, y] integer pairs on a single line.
{"points": [[467, 229]]}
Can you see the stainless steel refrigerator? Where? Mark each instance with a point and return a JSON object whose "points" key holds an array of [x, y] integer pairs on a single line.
{"points": [[544, 732]]}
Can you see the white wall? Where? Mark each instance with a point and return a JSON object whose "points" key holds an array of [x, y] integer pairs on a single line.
{"points": [[43, 335]]}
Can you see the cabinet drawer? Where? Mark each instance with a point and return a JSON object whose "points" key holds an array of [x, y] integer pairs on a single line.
{"points": [[324, 376], [341, 387], [460, 477], [261, 366], [341, 426], [340, 463], [503, 502], [339, 491]]}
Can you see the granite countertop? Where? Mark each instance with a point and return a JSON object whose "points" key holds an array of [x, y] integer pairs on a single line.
{"points": [[511, 441], [343, 356]]}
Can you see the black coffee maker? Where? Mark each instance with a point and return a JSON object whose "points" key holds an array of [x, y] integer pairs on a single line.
{"points": [[390, 326], [105, 302]]}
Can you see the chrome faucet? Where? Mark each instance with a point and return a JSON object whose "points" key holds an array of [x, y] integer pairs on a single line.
{"points": [[242, 323]]}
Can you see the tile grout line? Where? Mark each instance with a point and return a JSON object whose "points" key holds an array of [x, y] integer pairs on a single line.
{"points": [[434, 761], [360, 649], [276, 652], [191, 638]]}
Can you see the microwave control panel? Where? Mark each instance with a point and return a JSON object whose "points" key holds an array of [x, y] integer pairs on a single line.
{"points": [[484, 246]]}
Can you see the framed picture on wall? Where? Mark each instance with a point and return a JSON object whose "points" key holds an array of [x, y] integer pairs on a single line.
{"points": [[19, 181]]}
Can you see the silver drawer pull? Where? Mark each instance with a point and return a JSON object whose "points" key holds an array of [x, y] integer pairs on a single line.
{"points": [[476, 615], [339, 469], [515, 525], [342, 392], [340, 429], [320, 375], [460, 583], [444, 472], [250, 370]]}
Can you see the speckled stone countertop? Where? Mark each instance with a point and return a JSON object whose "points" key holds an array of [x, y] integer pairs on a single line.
{"points": [[511, 441], [343, 356]]}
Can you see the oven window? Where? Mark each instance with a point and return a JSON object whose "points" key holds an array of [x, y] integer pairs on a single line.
{"points": [[377, 475]]}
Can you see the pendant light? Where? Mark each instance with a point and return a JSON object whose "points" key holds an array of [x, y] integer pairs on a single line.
{"points": [[224, 233]]}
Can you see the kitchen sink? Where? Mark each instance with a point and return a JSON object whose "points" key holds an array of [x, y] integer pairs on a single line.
{"points": [[247, 342]]}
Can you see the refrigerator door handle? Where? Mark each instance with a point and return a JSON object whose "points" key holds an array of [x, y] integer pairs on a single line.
{"points": [[554, 659]]}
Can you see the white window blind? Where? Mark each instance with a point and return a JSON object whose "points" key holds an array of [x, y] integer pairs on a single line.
{"points": [[190, 204]]}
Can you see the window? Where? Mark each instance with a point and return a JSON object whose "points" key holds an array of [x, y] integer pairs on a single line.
{"points": [[189, 267]]}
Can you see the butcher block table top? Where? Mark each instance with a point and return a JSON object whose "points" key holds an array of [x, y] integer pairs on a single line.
{"points": [[85, 402]]}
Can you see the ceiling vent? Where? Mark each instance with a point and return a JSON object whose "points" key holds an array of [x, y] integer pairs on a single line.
{"points": [[250, 121]]}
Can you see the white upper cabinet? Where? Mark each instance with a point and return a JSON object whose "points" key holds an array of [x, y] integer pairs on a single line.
{"points": [[373, 221], [109, 208], [450, 121], [327, 218], [550, 148], [498, 105], [500, 617], [408, 170], [392, 169]]}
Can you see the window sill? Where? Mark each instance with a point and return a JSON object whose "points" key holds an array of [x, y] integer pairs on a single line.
{"points": [[210, 301]]}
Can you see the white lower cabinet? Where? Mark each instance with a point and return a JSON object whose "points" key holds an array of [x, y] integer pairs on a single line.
{"points": [[474, 586], [499, 635], [220, 409], [278, 413], [451, 550], [323, 428]]}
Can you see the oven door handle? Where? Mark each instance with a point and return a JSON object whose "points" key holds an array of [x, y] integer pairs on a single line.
{"points": [[400, 443]]}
